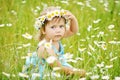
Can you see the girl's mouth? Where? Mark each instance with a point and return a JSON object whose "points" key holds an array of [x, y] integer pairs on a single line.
{"points": [[58, 36]]}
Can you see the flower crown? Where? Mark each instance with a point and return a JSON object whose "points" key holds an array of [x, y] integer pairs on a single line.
{"points": [[49, 16]]}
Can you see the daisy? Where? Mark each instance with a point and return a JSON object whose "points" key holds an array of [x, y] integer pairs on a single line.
{"points": [[48, 44], [56, 74], [108, 66], [111, 26], [78, 58], [56, 68], [68, 56], [105, 77], [2, 25], [9, 24], [72, 60], [113, 59], [117, 78], [26, 45], [23, 75], [27, 36], [96, 21], [6, 74], [94, 77], [51, 59]]}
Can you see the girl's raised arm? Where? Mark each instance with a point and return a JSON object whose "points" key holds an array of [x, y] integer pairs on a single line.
{"points": [[73, 24]]}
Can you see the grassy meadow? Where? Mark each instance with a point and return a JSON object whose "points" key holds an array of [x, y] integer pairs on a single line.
{"points": [[96, 45]]}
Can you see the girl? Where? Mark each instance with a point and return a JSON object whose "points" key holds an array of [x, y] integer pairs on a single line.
{"points": [[52, 27]]}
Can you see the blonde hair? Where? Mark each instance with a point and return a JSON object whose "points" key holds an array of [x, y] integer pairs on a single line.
{"points": [[44, 12]]}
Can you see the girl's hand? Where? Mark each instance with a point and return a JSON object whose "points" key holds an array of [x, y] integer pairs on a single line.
{"points": [[72, 24], [69, 15]]}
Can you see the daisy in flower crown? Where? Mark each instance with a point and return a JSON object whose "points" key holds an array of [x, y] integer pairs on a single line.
{"points": [[52, 28]]}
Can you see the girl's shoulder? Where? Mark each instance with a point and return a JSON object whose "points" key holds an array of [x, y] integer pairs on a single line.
{"points": [[41, 43]]}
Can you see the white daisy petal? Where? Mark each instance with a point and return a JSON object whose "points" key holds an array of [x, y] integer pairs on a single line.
{"points": [[26, 45], [23, 75], [72, 60], [96, 21], [117, 78], [2, 25], [113, 59], [105, 77], [78, 58], [94, 77], [82, 79], [68, 56], [56, 68], [111, 26], [51, 59], [56, 74], [27, 36], [6, 74], [108, 66]]}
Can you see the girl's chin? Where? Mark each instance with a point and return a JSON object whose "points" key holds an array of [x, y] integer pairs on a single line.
{"points": [[57, 39], [54, 39]]}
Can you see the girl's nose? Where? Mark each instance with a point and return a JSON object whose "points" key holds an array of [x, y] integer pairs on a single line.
{"points": [[57, 29]]}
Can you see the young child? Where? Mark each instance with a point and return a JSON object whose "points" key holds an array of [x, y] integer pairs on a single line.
{"points": [[52, 27]]}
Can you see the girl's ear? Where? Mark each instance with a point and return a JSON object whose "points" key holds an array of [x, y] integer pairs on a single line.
{"points": [[43, 31]]}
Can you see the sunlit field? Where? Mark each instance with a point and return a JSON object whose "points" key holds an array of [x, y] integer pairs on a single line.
{"points": [[95, 48]]}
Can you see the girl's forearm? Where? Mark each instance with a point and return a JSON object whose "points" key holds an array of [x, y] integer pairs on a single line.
{"points": [[63, 69], [74, 25], [67, 70]]}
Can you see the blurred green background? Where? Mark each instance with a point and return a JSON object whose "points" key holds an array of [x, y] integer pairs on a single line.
{"points": [[97, 43]]}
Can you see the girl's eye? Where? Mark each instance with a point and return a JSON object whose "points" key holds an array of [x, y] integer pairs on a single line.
{"points": [[61, 26], [52, 27]]}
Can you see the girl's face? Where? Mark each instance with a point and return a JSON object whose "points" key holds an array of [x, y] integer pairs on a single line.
{"points": [[55, 29]]}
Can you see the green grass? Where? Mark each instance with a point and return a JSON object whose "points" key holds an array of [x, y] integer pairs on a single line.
{"points": [[22, 18]]}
